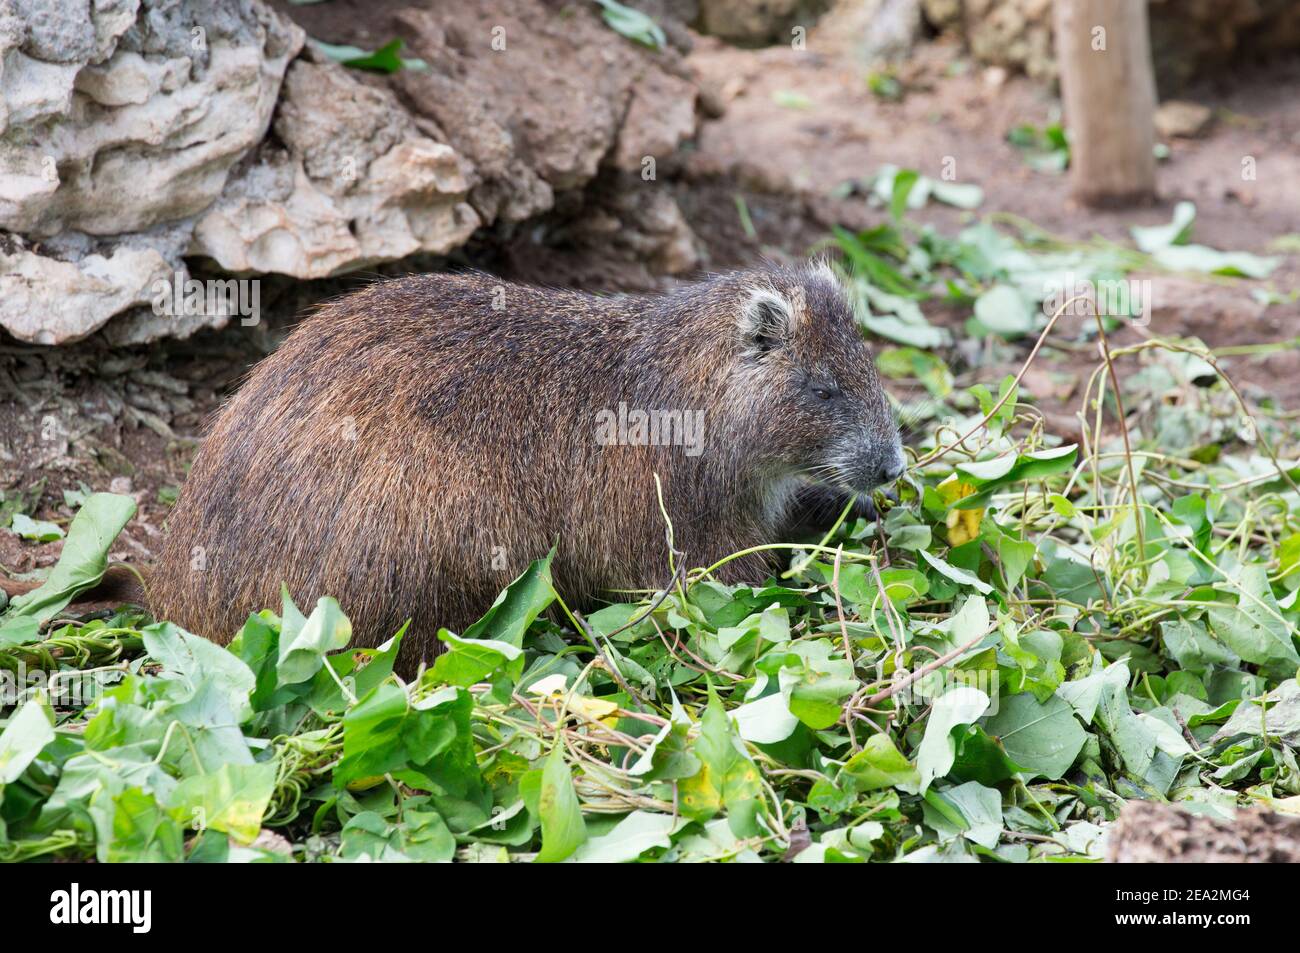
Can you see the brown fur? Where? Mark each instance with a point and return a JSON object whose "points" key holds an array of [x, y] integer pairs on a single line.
{"points": [[410, 448]]}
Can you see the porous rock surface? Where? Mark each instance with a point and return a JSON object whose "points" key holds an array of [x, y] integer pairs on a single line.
{"points": [[138, 134]]}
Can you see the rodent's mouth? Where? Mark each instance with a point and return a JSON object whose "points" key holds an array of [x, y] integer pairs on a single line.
{"points": [[858, 465]]}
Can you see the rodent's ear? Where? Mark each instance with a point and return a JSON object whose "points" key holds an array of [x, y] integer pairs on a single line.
{"points": [[766, 320]]}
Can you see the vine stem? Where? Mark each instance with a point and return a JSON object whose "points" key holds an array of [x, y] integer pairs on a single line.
{"points": [[925, 670], [1128, 446], [938, 452]]}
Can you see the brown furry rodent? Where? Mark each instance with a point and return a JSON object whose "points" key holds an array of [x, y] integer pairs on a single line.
{"points": [[411, 447]]}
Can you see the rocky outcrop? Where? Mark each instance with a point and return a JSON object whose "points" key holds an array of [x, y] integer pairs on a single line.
{"points": [[539, 103], [348, 180], [117, 118], [137, 135]]}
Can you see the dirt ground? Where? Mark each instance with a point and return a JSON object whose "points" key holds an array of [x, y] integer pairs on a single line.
{"points": [[796, 125]]}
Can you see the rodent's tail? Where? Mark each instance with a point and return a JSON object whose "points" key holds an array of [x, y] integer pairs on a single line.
{"points": [[120, 584]]}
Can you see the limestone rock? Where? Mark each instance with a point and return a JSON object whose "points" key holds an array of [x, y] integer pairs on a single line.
{"points": [[590, 99], [46, 301], [112, 125], [349, 181], [876, 32], [660, 116], [119, 121], [135, 134]]}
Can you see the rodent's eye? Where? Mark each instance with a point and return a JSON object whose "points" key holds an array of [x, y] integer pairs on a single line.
{"points": [[821, 393]]}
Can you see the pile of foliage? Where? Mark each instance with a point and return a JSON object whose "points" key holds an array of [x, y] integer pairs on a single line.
{"points": [[1031, 634]]}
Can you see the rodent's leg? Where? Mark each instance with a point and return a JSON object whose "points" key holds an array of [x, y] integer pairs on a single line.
{"points": [[816, 506]]}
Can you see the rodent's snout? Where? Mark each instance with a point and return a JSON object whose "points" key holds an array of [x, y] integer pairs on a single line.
{"points": [[878, 466], [893, 467]]}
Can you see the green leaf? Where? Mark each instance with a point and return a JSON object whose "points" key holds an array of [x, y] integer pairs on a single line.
{"points": [[1178, 232], [372, 735], [727, 780], [858, 584], [981, 758], [517, 607], [1002, 310], [1044, 150], [134, 828], [631, 837], [426, 743], [210, 679], [1254, 629], [41, 531], [989, 476], [1280, 718], [1169, 246], [1042, 737], [231, 799], [1193, 648], [305, 642], [386, 59], [935, 755], [970, 810], [80, 567], [257, 645], [1015, 556], [815, 684], [879, 765], [1235, 264], [668, 756], [633, 24], [467, 661], [1084, 694], [563, 828], [1137, 741], [962, 195], [766, 720], [906, 362], [420, 836], [25, 735], [959, 576], [903, 182]]}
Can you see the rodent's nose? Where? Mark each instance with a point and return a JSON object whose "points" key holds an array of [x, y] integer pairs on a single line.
{"points": [[877, 466], [891, 468], [889, 472]]}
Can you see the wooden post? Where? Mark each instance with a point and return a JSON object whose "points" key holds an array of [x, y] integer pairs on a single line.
{"points": [[1109, 93]]}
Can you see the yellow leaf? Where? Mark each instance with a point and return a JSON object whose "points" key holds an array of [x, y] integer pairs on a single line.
{"points": [[365, 784], [963, 525], [596, 709]]}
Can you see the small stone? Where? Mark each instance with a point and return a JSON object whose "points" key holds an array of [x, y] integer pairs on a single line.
{"points": [[1178, 118]]}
